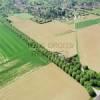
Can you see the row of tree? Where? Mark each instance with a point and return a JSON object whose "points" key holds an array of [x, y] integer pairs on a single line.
{"points": [[71, 66]]}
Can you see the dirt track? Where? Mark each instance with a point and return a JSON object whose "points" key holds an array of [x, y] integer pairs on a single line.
{"points": [[48, 83]]}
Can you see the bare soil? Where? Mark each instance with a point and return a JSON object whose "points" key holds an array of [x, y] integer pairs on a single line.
{"points": [[48, 83], [89, 46], [55, 36]]}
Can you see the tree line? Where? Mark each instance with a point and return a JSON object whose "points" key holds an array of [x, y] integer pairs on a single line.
{"points": [[48, 10], [72, 66]]}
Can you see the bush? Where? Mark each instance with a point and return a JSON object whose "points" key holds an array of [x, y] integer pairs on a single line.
{"points": [[82, 80], [9, 21], [66, 69], [86, 77], [78, 72], [70, 71], [87, 83], [98, 83], [78, 78], [91, 74], [90, 91], [78, 66], [73, 74], [81, 74], [71, 67], [59, 63], [63, 67], [68, 65], [75, 69], [85, 67], [93, 82]]}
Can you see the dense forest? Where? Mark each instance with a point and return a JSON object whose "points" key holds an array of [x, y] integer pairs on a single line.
{"points": [[48, 9]]}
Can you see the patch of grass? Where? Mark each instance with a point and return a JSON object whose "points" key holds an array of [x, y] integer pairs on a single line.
{"points": [[24, 16], [13, 48], [87, 23]]}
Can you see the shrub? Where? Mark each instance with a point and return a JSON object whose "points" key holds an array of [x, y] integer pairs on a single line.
{"points": [[59, 63], [66, 69], [70, 71], [86, 77], [98, 76], [71, 67], [77, 77], [82, 74], [87, 83], [85, 67], [78, 72], [98, 83], [91, 74], [78, 66], [90, 91], [68, 65], [63, 67], [75, 69], [82, 80], [73, 74], [93, 82]]}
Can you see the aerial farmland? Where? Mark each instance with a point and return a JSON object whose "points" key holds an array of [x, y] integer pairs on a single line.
{"points": [[49, 50]]}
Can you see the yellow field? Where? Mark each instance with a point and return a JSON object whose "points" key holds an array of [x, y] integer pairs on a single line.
{"points": [[89, 46], [55, 36], [48, 83]]}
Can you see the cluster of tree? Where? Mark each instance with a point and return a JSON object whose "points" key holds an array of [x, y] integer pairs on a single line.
{"points": [[45, 10], [60, 9], [53, 9], [71, 66], [41, 20], [12, 6]]}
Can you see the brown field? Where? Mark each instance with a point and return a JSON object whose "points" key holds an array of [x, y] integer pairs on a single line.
{"points": [[55, 36], [61, 37], [48, 83], [89, 46]]}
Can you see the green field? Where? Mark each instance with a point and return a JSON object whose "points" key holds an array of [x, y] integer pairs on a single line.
{"points": [[23, 16], [15, 56], [87, 23], [95, 11]]}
